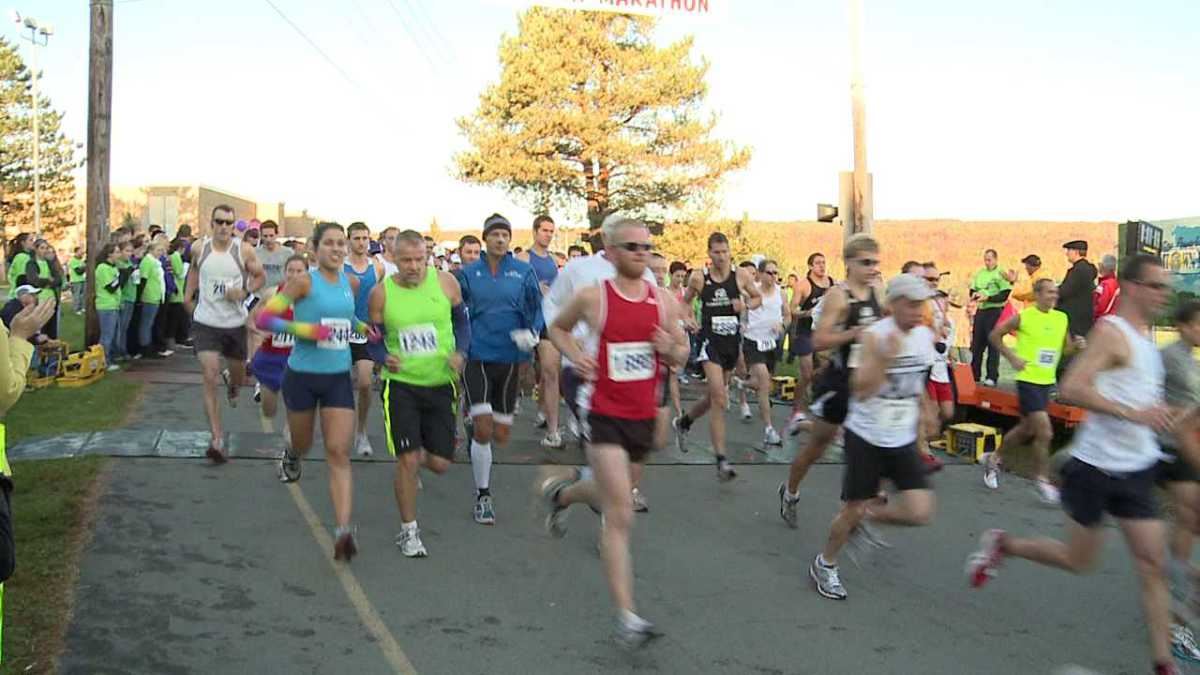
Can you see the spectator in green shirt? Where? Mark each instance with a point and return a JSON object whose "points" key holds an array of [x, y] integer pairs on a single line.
{"points": [[77, 273], [990, 288], [46, 274], [20, 253], [108, 300], [151, 289]]}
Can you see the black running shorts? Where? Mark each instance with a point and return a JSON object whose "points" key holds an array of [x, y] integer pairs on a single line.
{"points": [[419, 418], [308, 391], [752, 354], [1088, 493], [492, 389], [867, 465], [636, 436], [722, 351], [831, 395], [228, 342]]}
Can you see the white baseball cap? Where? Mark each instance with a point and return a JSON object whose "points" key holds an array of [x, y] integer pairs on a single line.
{"points": [[908, 286]]}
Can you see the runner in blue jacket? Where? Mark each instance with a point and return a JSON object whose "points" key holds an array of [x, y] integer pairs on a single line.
{"points": [[505, 305]]}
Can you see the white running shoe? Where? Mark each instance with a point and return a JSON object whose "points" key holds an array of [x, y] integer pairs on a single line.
{"points": [[771, 437], [982, 564], [796, 422], [746, 414], [827, 579], [1048, 493], [1183, 644], [553, 441], [362, 445], [410, 544], [991, 472], [540, 420], [257, 392], [633, 631], [639, 502], [573, 426]]}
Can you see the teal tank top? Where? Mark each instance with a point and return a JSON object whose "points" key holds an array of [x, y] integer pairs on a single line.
{"points": [[330, 304]]}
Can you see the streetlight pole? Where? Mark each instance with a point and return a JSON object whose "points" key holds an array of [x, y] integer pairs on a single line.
{"points": [[44, 30]]}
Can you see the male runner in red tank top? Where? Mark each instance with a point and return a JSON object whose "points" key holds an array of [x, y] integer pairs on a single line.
{"points": [[635, 335]]}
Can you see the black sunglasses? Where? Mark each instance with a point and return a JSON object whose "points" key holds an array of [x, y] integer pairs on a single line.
{"points": [[773, 273], [634, 247], [218, 221], [867, 262]]}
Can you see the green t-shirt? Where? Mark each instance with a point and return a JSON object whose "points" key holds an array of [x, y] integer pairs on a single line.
{"points": [[419, 331], [107, 300], [77, 269], [176, 260], [129, 288], [43, 272], [988, 283], [151, 271], [17, 268]]}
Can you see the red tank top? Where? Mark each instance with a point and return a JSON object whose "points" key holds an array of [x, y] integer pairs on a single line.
{"points": [[628, 372], [280, 343]]}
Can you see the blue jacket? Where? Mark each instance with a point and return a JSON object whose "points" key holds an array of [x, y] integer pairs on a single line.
{"points": [[498, 305]]}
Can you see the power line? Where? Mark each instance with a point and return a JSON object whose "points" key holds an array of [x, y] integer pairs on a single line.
{"points": [[412, 36], [328, 59], [417, 9]]}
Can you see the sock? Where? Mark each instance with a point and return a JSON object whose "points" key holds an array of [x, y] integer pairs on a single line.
{"points": [[481, 464], [408, 527], [823, 562], [791, 496]]}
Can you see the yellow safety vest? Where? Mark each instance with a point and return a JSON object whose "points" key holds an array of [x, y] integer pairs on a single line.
{"points": [[1040, 338]]}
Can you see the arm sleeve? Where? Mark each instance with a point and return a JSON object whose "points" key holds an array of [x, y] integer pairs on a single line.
{"points": [[462, 327], [533, 303], [271, 319], [1002, 296], [15, 355]]}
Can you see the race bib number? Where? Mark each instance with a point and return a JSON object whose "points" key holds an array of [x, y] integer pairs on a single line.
{"points": [[1047, 357], [339, 338], [283, 340], [855, 355], [898, 415], [631, 361], [218, 287], [765, 345], [725, 325], [357, 338], [419, 340]]}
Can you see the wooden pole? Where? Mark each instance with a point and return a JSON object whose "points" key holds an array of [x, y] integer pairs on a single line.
{"points": [[98, 134], [861, 215]]}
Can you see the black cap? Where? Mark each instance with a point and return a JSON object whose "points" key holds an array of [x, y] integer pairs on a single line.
{"points": [[496, 222], [1033, 260], [1077, 245]]}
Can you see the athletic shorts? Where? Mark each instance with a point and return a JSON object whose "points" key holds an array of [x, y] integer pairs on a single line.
{"points": [[358, 352], [721, 351], [939, 391], [1175, 469], [308, 391], [867, 465], [228, 342], [492, 389], [801, 344], [636, 436], [831, 395], [1088, 493], [1033, 398], [419, 418], [267, 368], [752, 354]]}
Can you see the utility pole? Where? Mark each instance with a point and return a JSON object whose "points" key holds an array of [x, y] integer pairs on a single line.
{"points": [[862, 213], [99, 131], [45, 31]]}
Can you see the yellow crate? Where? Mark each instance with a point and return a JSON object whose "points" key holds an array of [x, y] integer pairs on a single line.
{"points": [[972, 440], [783, 388], [83, 368]]}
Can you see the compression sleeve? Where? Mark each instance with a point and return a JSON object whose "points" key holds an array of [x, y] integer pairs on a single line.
{"points": [[378, 350], [533, 303], [462, 327], [271, 320]]}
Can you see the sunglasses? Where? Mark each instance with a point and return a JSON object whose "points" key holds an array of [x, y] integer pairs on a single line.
{"points": [[867, 262], [218, 221], [933, 280], [773, 273], [634, 247]]}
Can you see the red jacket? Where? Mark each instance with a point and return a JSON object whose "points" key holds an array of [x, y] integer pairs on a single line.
{"points": [[1105, 299]]}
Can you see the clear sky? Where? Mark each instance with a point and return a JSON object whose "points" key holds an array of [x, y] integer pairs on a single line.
{"points": [[1030, 109]]}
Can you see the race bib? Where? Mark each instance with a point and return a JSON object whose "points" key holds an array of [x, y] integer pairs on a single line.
{"points": [[283, 340], [855, 355], [631, 361], [218, 286], [1047, 357], [898, 414], [725, 325], [339, 338], [419, 340], [357, 338], [765, 345]]}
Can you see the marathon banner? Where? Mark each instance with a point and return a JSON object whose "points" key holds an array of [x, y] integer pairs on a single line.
{"points": [[686, 9]]}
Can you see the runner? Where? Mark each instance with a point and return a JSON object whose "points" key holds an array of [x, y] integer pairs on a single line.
{"points": [[635, 328], [1118, 379], [270, 361], [740, 381], [318, 371], [225, 271], [764, 329], [805, 296], [545, 269], [845, 311], [426, 331], [940, 392], [469, 249], [368, 271], [504, 302], [387, 257], [720, 290], [1042, 340]]}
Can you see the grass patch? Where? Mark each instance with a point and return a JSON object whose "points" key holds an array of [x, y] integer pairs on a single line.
{"points": [[59, 410], [52, 505]]}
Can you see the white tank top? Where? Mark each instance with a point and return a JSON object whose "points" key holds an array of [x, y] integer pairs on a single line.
{"points": [[1116, 445], [389, 268], [762, 321], [219, 271], [889, 418]]}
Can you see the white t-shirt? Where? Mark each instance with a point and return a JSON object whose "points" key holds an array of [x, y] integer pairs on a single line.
{"points": [[763, 322], [889, 419]]}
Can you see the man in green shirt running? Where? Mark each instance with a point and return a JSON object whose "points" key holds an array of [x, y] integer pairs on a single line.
{"points": [[77, 275], [990, 288], [1042, 340], [426, 332]]}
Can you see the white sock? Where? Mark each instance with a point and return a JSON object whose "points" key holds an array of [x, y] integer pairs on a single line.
{"points": [[407, 527], [823, 562], [481, 463], [791, 496]]}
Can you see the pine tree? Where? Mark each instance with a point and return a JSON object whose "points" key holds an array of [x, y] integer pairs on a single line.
{"points": [[58, 155]]}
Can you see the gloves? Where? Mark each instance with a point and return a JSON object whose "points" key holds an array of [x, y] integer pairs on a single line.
{"points": [[524, 339]]}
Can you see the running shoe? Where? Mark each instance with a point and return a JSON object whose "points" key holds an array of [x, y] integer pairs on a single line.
{"points": [[553, 441], [485, 510], [231, 392], [573, 426], [362, 445], [410, 544], [991, 472], [1048, 493], [725, 471], [982, 564], [1183, 644], [217, 455], [556, 514], [540, 420], [633, 631], [112, 368], [137, 357], [787, 507], [771, 437], [289, 466], [167, 352], [988, 382], [746, 414], [639, 502], [796, 422], [344, 545], [680, 434], [258, 392], [827, 579]]}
